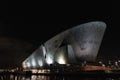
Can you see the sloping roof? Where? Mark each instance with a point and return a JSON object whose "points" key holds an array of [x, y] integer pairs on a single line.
{"points": [[84, 39]]}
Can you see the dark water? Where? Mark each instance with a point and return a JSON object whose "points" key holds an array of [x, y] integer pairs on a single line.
{"points": [[41, 77]]}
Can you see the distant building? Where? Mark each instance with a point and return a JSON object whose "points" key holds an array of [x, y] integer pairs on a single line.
{"points": [[73, 46]]}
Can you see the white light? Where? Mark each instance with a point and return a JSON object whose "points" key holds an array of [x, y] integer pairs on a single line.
{"points": [[34, 70], [103, 65], [116, 63], [28, 64], [44, 50], [33, 63], [118, 60], [49, 59], [61, 60], [100, 62], [40, 63], [24, 65]]}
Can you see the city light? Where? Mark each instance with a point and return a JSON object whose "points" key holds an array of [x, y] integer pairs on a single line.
{"points": [[33, 62], [44, 50], [24, 65], [28, 64], [49, 59], [61, 60], [40, 62]]}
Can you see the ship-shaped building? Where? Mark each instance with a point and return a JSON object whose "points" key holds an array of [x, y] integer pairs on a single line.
{"points": [[74, 46]]}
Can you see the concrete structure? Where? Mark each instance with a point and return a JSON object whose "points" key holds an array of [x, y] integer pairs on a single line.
{"points": [[80, 43]]}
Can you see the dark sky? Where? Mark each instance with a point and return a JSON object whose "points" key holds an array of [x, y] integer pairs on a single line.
{"points": [[36, 22]]}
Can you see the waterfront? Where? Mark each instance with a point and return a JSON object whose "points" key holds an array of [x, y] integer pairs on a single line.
{"points": [[54, 77], [60, 76]]}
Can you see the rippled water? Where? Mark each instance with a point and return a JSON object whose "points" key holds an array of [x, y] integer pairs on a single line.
{"points": [[41, 77]]}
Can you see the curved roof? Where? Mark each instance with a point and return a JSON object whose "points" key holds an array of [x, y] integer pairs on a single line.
{"points": [[80, 43]]}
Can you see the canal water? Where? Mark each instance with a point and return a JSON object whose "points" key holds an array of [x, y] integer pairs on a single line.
{"points": [[42, 77]]}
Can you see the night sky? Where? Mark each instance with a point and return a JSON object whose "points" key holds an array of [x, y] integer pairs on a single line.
{"points": [[36, 22]]}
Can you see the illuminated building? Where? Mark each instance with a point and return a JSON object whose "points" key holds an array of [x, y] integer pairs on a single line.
{"points": [[80, 43]]}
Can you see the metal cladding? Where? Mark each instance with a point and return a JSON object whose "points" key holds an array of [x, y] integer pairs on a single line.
{"points": [[80, 43], [86, 39]]}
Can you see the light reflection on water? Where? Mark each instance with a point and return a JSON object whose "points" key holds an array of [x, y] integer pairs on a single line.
{"points": [[41, 77]]}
